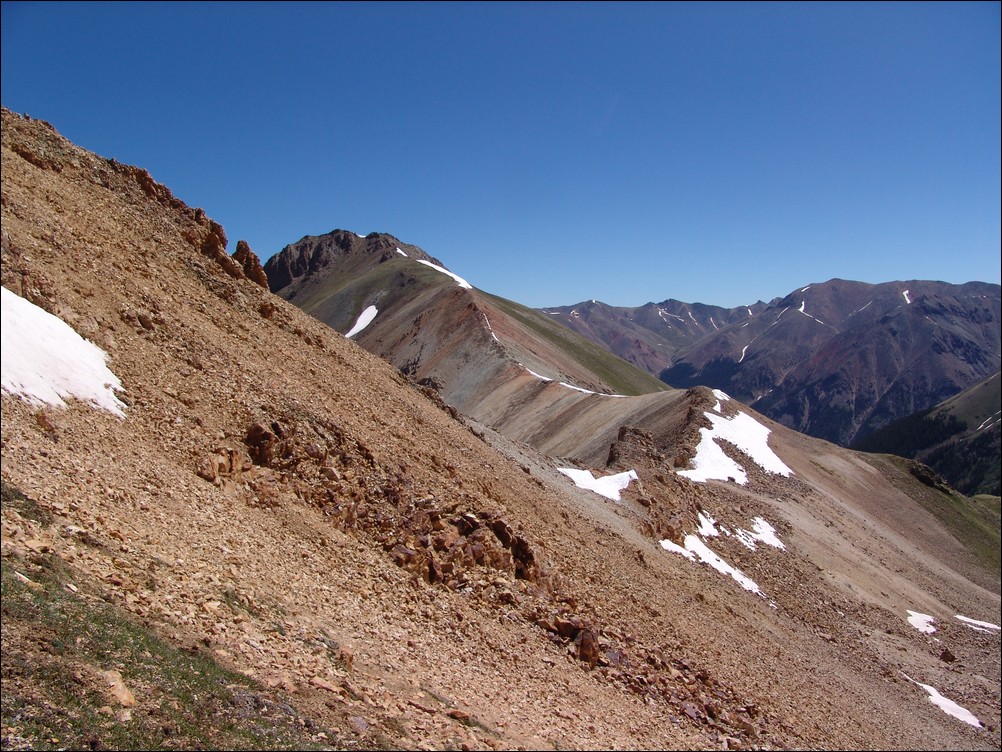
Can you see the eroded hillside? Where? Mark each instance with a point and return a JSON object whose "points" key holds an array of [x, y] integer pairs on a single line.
{"points": [[283, 505]]}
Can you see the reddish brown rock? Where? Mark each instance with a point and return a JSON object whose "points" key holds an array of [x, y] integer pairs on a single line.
{"points": [[587, 645], [250, 264]]}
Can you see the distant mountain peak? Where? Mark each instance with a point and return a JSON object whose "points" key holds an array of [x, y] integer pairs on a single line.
{"points": [[314, 253]]}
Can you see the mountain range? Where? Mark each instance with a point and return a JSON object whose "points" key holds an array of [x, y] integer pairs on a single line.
{"points": [[227, 524], [836, 360], [879, 354]]}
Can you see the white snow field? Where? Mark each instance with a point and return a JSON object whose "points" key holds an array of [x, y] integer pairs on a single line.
{"points": [[45, 361]]}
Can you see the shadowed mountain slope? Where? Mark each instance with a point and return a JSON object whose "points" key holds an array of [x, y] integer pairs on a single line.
{"points": [[960, 438], [287, 517]]}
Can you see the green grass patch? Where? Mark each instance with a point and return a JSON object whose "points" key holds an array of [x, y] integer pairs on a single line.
{"points": [[12, 498], [57, 644], [623, 377]]}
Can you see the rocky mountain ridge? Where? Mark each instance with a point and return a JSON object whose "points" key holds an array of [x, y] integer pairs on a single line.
{"points": [[489, 358], [297, 265], [382, 571]]}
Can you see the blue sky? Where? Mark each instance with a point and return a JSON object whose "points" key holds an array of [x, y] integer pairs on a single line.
{"points": [[554, 153]]}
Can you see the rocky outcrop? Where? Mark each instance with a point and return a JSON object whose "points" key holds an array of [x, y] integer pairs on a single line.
{"points": [[250, 263], [311, 256]]}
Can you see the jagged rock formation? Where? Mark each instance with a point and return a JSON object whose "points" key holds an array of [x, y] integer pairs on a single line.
{"points": [[250, 264]]}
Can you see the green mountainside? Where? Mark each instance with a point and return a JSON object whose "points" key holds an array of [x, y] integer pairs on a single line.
{"points": [[960, 438]]}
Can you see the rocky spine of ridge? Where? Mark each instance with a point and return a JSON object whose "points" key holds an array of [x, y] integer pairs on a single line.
{"points": [[250, 264]]}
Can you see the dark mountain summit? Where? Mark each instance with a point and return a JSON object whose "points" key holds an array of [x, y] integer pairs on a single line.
{"points": [[296, 265]]}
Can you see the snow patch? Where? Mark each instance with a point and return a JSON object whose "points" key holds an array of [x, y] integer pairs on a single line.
{"points": [[762, 532], [459, 280], [402, 253], [674, 548], [907, 299], [707, 556], [364, 319], [989, 422], [577, 388], [981, 626], [662, 313], [921, 622], [748, 435], [587, 391], [537, 375], [743, 351], [710, 462], [608, 486], [490, 328], [721, 397], [45, 361], [947, 705], [803, 304], [695, 549], [707, 526]]}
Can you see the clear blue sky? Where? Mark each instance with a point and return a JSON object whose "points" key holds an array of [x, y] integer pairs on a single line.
{"points": [[554, 153]]}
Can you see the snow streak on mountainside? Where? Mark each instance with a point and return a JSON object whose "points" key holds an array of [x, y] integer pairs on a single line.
{"points": [[741, 430]]}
